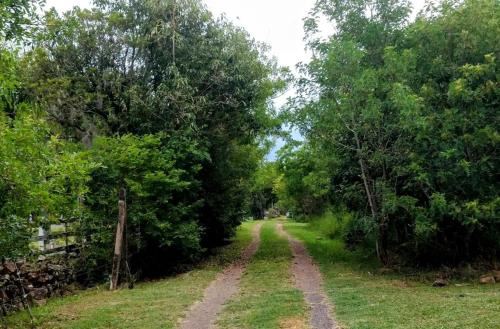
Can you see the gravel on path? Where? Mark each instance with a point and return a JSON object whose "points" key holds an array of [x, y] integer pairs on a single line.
{"points": [[203, 314], [308, 279]]}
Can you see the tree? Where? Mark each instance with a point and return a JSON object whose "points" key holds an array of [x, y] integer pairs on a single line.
{"points": [[391, 104], [263, 194], [141, 67], [16, 16], [42, 177], [159, 173], [303, 184], [353, 116]]}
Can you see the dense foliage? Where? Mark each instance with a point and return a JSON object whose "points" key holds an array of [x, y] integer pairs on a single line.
{"points": [[42, 176], [160, 174], [157, 97], [401, 126], [17, 17], [144, 67]]}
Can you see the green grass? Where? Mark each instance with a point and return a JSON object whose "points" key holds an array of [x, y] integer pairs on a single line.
{"points": [[267, 298], [365, 299], [332, 223], [150, 305]]}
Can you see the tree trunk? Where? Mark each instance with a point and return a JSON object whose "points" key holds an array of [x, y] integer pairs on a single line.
{"points": [[382, 241], [120, 228]]}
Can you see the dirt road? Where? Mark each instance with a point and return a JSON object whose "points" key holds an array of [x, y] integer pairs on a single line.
{"points": [[204, 313], [308, 279]]}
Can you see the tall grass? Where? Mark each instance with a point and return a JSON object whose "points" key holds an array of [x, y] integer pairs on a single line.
{"points": [[330, 237], [334, 225]]}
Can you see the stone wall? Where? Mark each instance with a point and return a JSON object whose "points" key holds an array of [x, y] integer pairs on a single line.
{"points": [[42, 279]]}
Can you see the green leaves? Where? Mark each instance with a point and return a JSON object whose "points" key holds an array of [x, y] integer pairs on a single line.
{"points": [[404, 117], [41, 177], [160, 174], [16, 16], [139, 68]]}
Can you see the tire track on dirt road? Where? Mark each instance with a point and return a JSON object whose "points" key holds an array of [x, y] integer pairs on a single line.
{"points": [[308, 279], [203, 314]]}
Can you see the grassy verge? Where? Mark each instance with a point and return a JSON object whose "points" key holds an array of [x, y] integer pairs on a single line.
{"points": [[268, 298], [150, 305], [364, 299]]}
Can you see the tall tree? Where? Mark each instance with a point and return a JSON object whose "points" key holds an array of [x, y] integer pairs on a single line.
{"points": [[16, 17], [354, 115], [388, 98], [148, 67]]}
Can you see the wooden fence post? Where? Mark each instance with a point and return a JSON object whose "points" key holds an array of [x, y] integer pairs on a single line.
{"points": [[66, 242], [122, 219], [46, 238]]}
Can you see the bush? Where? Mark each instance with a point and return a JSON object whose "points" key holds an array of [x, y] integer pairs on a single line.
{"points": [[334, 225], [163, 200], [352, 230], [41, 179]]}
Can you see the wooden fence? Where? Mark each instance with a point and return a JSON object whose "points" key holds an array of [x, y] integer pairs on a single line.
{"points": [[57, 239]]}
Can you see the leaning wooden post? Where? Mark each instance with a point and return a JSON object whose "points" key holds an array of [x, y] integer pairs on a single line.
{"points": [[122, 219]]}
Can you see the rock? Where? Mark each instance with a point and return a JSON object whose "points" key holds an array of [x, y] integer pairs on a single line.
{"points": [[23, 267], [40, 280], [39, 293], [25, 282], [9, 267], [66, 292], [32, 276], [12, 290], [55, 268], [440, 283], [45, 278], [40, 302], [486, 279], [496, 275], [42, 258]]}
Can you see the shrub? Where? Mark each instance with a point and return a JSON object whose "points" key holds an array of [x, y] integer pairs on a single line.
{"points": [[163, 199], [334, 224]]}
